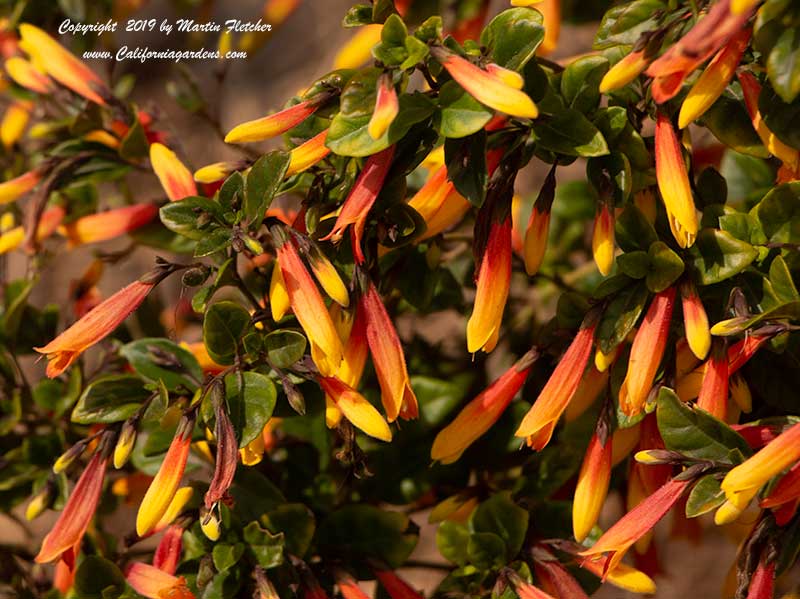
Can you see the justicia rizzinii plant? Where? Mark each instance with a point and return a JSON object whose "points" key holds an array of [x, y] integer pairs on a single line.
{"points": [[414, 320]]}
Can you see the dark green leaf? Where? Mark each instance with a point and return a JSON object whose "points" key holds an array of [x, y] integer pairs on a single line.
{"points": [[580, 82], [466, 166], [513, 36], [501, 516], [461, 114], [621, 316], [112, 398], [570, 133], [486, 550], [191, 217], [779, 213], [706, 495], [783, 64], [223, 327], [717, 255], [262, 183], [297, 524], [665, 267], [267, 549], [251, 407], [98, 578], [452, 539], [162, 360], [285, 347], [623, 24], [225, 555]]}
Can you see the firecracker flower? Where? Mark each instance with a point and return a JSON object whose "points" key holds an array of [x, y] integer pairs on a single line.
{"points": [[274, 124], [153, 583], [592, 487], [695, 321], [356, 408], [18, 186], [102, 226], [308, 154], [386, 107], [673, 180], [173, 175]]}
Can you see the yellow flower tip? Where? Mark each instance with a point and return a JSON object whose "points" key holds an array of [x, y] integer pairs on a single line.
{"points": [[625, 71], [592, 488], [356, 408], [551, 13], [329, 279], [386, 108], [15, 120], [358, 49], [173, 175], [214, 172], [648, 458], [603, 361], [727, 514], [15, 188], [105, 138], [631, 579], [279, 303], [308, 154], [210, 525], [698, 335], [673, 179], [739, 7], [25, 74], [740, 392], [272, 125], [179, 501], [39, 503], [603, 240], [124, 446], [506, 76]]}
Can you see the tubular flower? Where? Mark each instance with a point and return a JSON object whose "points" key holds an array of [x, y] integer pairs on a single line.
{"points": [[541, 419], [493, 284], [635, 524], [110, 224], [356, 408], [217, 171], [487, 87], [646, 353], [96, 325], [593, 382], [713, 396], [787, 489], [469, 27], [740, 393], [739, 7], [165, 484], [348, 587], [358, 49], [176, 505], [762, 583], [25, 74], [551, 11], [168, 553], [603, 239], [361, 198], [278, 295], [397, 396], [481, 413], [13, 238], [15, 120], [396, 587], [308, 154], [752, 90], [352, 331], [743, 482], [226, 459], [625, 71], [175, 178], [327, 276], [61, 65], [695, 321], [272, 125], [18, 186], [554, 578], [707, 36], [710, 85], [309, 309], [386, 107], [153, 583], [71, 525], [456, 508], [592, 487], [673, 180], [622, 576], [524, 589], [539, 226]]}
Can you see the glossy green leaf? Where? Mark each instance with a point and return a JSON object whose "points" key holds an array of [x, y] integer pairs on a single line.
{"points": [[499, 515], [461, 114], [162, 360], [223, 327], [250, 407], [513, 36], [452, 539], [705, 496], [296, 522], [580, 82], [570, 133], [624, 23], [665, 267], [285, 347], [718, 255], [98, 578], [621, 316], [192, 217], [112, 398], [466, 166], [783, 64], [779, 213]]}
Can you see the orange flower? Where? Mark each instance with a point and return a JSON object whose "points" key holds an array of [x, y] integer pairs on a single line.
{"points": [[277, 11], [593, 383], [308, 154], [309, 307], [348, 587], [493, 283], [646, 353], [327, 275], [96, 325], [356, 408], [173, 175], [353, 334], [592, 487], [622, 576], [541, 419], [67, 532], [386, 107], [439, 204], [61, 65], [787, 489], [551, 11], [539, 225], [279, 303], [673, 180], [274, 124], [603, 239], [361, 198], [741, 351], [25, 74], [635, 524], [713, 396], [200, 352], [51, 219], [481, 413], [695, 321], [217, 171], [487, 87], [397, 396], [161, 491], [110, 224], [18, 186], [168, 553], [554, 578], [396, 587], [153, 583], [625, 71]]}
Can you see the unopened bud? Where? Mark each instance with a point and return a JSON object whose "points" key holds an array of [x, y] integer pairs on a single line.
{"points": [[195, 277], [125, 443], [210, 525], [41, 501], [68, 457], [253, 245], [296, 399]]}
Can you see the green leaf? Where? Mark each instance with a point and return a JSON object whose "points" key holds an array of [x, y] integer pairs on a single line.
{"points": [[98, 578], [296, 522], [499, 515], [486, 550], [250, 408], [624, 23], [570, 133], [230, 196], [262, 183], [466, 166], [696, 433], [226, 555], [416, 50], [717, 255], [635, 264], [779, 213], [452, 539], [665, 267], [192, 217], [162, 360], [266, 548], [621, 316], [461, 114], [513, 37], [112, 398], [779, 116], [783, 64], [580, 82], [285, 347], [223, 327], [705, 496], [633, 231], [134, 145], [739, 324], [781, 280], [728, 120], [215, 241]]}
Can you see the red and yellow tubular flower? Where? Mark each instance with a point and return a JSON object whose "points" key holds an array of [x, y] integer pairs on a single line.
{"points": [[386, 107], [153, 583], [487, 87], [15, 120], [18, 186], [310, 310], [554, 578], [361, 198], [787, 489], [635, 524], [67, 532], [25, 74], [308, 154], [743, 482], [163, 487], [327, 276], [646, 353], [356, 408], [739, 7], [61, 65], [592, 487], [673, 180], [695, 321], [762, 583], [481, 413], [593, 382], [396, 587], [551, 11], [96, 325], [279, 303], [625, 71], [538, 228], [541, 419], [751, 90], [741, 351], [277, 11], [603, 239], [51, 219], [175, 178], [524, 589], [493, 284], [713, 396], [110, 224], [217, 171], [273, 125], [397, 396], [622, 576], [179, 501], [168, 553], [353, 333], [348, 587], [740, 393], [710, 85]]}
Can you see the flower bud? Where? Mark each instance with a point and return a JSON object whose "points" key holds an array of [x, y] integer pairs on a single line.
{"points": [[41, 501], [66, 459], [125, 443], [210, 525]]}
